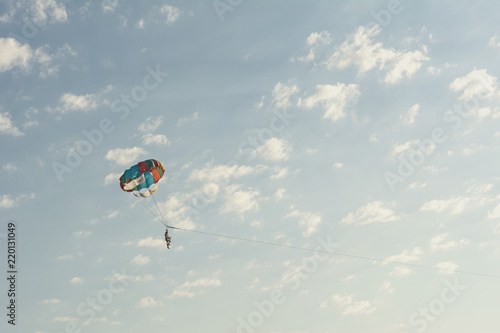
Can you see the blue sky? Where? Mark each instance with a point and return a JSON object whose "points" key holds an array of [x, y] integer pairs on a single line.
{"points": [[365, 128]]}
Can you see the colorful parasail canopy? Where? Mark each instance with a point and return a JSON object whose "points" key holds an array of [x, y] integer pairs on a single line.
{"points": [[142, 179]]}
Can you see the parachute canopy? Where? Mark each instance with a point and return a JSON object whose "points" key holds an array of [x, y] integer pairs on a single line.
{"points": [[142, 179]]}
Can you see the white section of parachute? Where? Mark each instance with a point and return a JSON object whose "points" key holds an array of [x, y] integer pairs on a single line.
{"points": [[134, 182], [146, 192]]}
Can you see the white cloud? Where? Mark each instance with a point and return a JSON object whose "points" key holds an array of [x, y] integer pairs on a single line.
{"points": [[31, 123], [112, 178], [50, 301], [374, 138], [149, 242], [171, 13], [6, 126], [65, 257], [406, 64], [14, 54], [182, 121], [146, 277], [333, 99], [279, 194], [361, 51], [446, 267], [178, 213], [140, 260], [476, 83], [495, 213], [155, 139], [113, 214], [8, 16], [48, 11], [405, 257], [221, 173], [352, 307], [190, 289], [6, 200], [400, 271], [280, 172], [239, 201], [493, 42], [321, 37], [314, 40], [46, 62], [109, 6], [125, 156], [386, 287], [416, 185], [76, 280], [477, 196], [310, 221], [349, 278], [411, 114], [440, 242], [434, 70], [151, 124], [256, 224], [140, 24], [274, 149], [472, 149], [401, 148], [72, 102], [282, 94], [481, 113], [149, 302], [338, 165], [64, 319], [373, 212]]}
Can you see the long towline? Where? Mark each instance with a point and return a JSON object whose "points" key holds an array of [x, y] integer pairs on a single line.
{"points": [[319, 251], [335, 253]]}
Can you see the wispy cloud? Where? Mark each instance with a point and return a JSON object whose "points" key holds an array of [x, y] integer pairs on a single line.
{"points": [[155, 139], [282, 94], [360, 50], [441, 242], [350, 307], [7, 201], [171, 13], [274, 149], [140, 260], [411, 115], [6, 125], [14, 54], [149, 302], [240, 201], [476, 196], [373, 212], [308, 220], [406, 256], [48, 11], [333, 99], [151, 124], [126, 156], [190, 289]]}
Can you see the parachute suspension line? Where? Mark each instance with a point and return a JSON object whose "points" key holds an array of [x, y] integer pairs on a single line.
{"points": [[150, 209], [164, 221], [336, 253]]}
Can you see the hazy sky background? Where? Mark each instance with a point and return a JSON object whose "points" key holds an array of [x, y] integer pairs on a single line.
{"points": [[368, 128]]}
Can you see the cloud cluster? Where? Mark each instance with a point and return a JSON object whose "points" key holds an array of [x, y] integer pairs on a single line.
{"points": [[359, 50]]}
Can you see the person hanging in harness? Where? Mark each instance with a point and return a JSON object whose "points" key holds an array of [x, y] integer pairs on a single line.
{"points": [[167, 238]]}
